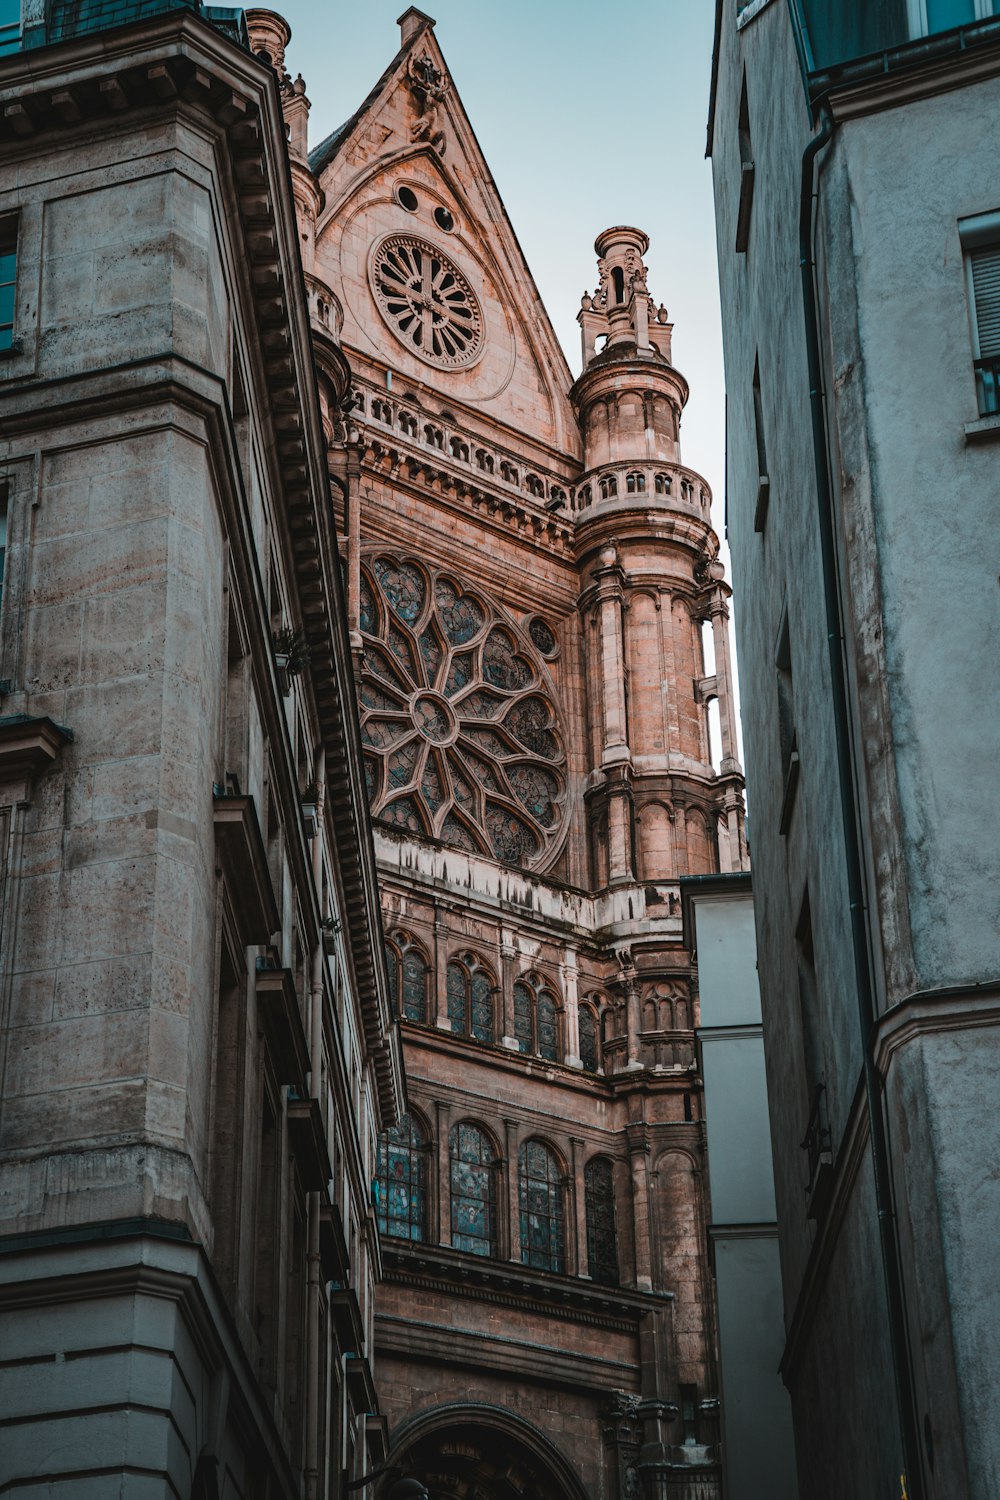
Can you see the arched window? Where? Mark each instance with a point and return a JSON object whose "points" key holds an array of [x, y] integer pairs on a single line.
{"points": [[473, 1190], [590, 1052], [599, 1198], [618, 281], [470, 991], [662, 483], [402, 1182], [407, 979], [535, 1026], [635, 483], [540, 1197]]}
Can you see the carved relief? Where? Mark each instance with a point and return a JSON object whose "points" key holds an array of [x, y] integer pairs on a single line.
{"points": [[428, 85]]}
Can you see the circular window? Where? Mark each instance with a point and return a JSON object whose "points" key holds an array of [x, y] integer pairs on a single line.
{"points": [[543, 636], [407, 199], [444, 220], [458, 717], [426, 301]]}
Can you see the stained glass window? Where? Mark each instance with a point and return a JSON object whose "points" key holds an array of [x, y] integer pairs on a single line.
{"points": [[456, 701], [535, 1024], [469, 990], [473, 1190], [602, 1244], [589, 1054], [540, 1197], [407, 979], [402, 1181]]}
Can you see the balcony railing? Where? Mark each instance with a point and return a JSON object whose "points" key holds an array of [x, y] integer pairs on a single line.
{"points": [[988, 386]]}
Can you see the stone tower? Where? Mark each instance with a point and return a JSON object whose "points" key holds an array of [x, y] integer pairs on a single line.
{"points": [[532, 574]]}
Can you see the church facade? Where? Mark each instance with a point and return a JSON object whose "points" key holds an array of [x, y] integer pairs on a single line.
{"points": [[538, 619]]}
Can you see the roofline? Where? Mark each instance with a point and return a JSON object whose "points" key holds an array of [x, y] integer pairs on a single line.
{"points": [[714, 85]]}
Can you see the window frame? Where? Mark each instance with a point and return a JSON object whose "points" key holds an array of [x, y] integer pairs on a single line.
{"points": [[611, 1265], [470, 965], [977, 234], [491, 1168], [537, 990], [416, 1150], [554, 1260]]}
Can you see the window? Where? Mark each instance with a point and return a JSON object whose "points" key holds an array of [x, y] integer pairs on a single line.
{"points": [[402, 1181], [540, 1198], [763, 482], [981, 243], [8, 271], [535, 1018], [473, 1190], [407, 979], [662, 484], [747, 173], [787, 737], [470, 990], [599, 1199], [589, 1047], [635, 484], [10, 25], [836, 34]]}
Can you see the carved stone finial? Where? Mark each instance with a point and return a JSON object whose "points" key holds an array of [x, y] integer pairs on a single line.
{"points": [[586, 302]]}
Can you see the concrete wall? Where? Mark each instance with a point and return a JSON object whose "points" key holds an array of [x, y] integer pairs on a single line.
{"points": [[913, 472]]}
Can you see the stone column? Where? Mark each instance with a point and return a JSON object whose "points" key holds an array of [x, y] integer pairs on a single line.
{"points": [[570, 981], [724, 682], [510, 1248], [443, 1125], [580, 1208], [638, 1145], [508, 959], [441, 973]]}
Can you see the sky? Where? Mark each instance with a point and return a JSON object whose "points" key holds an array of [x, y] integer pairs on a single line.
{"points": [[589, 114]]}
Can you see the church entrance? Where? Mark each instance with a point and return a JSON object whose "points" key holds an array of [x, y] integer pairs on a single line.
{"points": [[483, 1454]]}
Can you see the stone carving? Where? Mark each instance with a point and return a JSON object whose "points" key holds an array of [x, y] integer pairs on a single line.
{"points": [[426, 301], [428, 85]]}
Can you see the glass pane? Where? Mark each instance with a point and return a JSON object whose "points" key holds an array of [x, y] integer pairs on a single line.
{"points": [[414, 986], [942, 15], [599, 1195], [839, 30], [456, 994], [393, 968], [482, 1007], [402, 1195], [473, 1210], [540, 1197], [546, 1027], [588, 1039], [522, 1017]]}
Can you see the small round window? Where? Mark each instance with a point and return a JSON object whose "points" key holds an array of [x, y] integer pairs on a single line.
{"points": [[444, 220], [407, 198], [543, 637]]}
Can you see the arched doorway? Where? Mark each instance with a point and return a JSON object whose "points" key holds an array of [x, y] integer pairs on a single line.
{"points": [[483, 1453]]}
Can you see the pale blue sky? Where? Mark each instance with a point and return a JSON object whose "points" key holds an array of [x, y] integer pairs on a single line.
{"points": [[589, 115]]}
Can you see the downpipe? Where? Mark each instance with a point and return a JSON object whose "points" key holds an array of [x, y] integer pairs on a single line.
{"points": [[912, 1481]]}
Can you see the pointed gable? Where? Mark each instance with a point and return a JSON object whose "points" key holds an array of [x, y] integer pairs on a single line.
{"points": [[435, 285]]}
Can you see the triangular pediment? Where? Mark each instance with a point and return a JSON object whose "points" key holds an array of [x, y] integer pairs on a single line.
{"points": [[414, 235]]}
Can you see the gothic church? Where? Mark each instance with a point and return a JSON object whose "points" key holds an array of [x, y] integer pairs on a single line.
{"points": [[539, 625]]}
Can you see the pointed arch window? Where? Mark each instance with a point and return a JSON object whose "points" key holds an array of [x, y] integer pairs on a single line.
{"points": [[402, 1181], [473, 1190], [540, 1195], [535, 1023], [590, 1049], [408, 973], [602, 1241], [470, 989]]}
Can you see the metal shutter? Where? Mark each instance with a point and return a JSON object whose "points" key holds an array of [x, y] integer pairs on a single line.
{"points": [[986, 289]]}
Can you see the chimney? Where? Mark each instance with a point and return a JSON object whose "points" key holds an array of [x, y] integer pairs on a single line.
{"points": [[411, 23]]}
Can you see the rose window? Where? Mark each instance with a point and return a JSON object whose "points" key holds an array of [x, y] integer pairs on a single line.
{"points": [[426, 301], [457, 717]]}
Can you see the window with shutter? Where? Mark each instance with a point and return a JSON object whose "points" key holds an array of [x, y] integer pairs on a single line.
{"points": [[984, 267]]}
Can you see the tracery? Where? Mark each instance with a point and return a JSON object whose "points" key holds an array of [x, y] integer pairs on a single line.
{"points": [[458, 716]]}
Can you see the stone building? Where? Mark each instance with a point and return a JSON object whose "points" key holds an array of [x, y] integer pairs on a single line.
{"points": [[858, 208], [539, 621], [196, 1039]]}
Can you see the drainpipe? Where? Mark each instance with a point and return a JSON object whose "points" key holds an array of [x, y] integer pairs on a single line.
{"points": [[913, 1481], [313, 1351]]}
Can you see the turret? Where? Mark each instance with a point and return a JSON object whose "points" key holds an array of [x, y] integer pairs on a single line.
{"points": [[652, 582]]}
